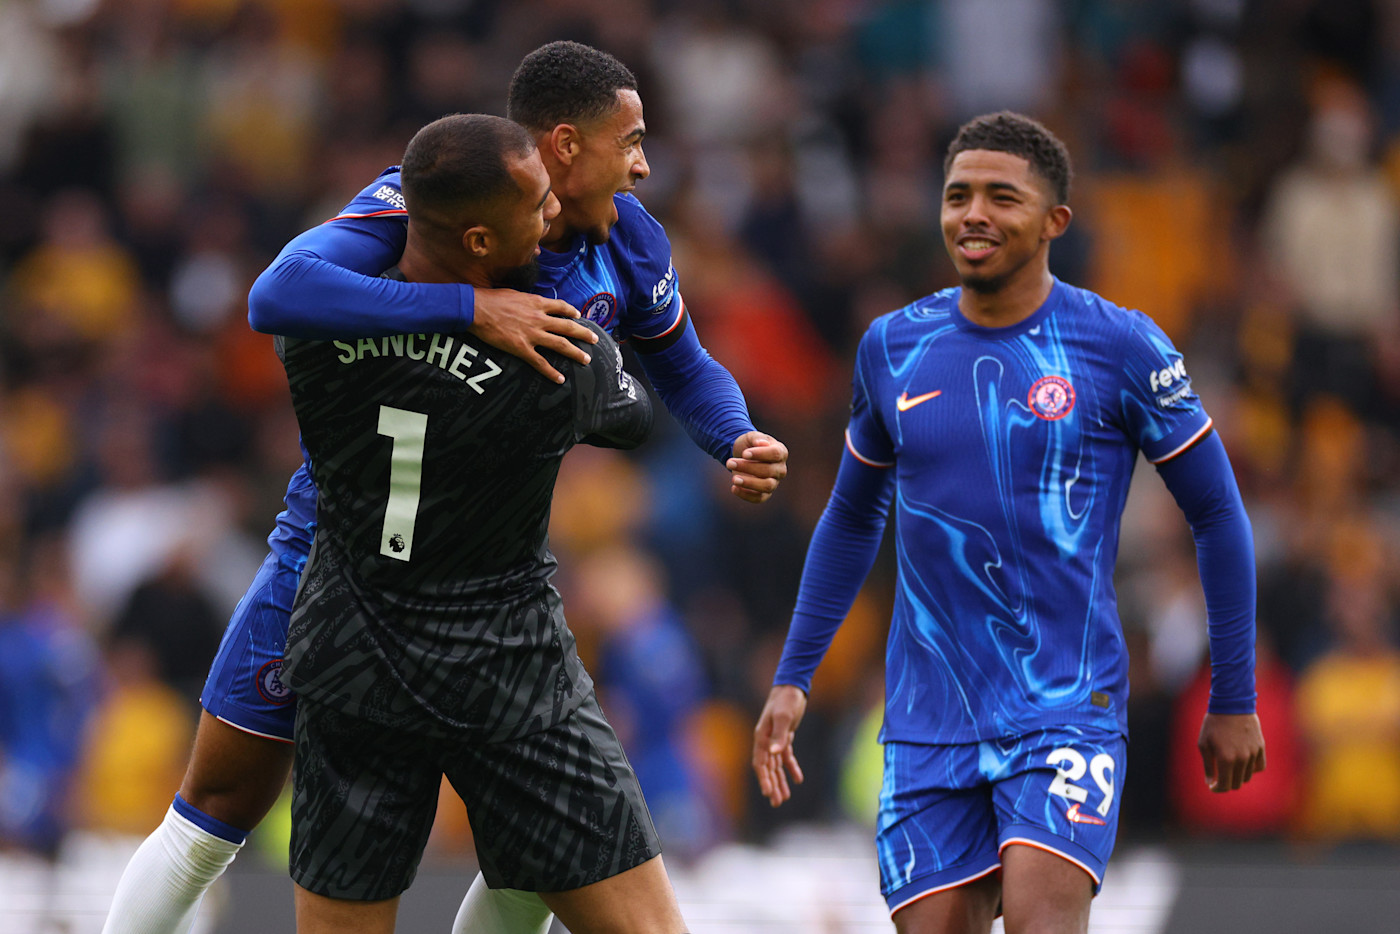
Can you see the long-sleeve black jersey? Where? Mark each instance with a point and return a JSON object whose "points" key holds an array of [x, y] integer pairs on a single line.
{"points": [[426, 601]]}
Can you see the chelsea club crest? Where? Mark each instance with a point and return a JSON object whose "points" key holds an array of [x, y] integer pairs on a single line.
{"points": [[270, 684], [1051, 398], [601, 309]]}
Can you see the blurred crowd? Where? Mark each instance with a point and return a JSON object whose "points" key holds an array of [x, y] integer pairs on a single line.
{"points": [[1238, 178]]}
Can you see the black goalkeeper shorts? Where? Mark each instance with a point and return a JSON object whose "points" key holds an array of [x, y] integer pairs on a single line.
{"points": [[552, 811]]}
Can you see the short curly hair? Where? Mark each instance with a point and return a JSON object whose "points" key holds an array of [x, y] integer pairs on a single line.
{"points": [[565, 82], [456, 165], [1021, 136]]}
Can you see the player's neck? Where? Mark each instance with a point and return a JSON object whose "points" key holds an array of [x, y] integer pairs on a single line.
{"points": [[559, 239], [420, 265], [1011, 302]]}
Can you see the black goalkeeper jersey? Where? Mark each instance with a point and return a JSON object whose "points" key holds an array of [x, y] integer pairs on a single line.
{"points": [[426, 601]]}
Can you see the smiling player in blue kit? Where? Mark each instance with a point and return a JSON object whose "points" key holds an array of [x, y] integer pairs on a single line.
{"points": [[1000, 422]]}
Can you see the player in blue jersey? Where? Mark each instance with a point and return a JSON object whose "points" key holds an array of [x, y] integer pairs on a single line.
{"points": [[1001, 421], [605, 255]]}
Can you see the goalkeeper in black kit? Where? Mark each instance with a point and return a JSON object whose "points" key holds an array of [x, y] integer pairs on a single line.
{"points": [[426, 638]]}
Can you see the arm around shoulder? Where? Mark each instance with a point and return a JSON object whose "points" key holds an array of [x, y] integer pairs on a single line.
{"points": [[321, 287]]}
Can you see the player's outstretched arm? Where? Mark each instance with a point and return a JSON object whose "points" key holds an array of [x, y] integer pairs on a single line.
{"points": [[695, 388], [759, 464], [1232, 749], [774, 761], [306, 293], [843, 548]]}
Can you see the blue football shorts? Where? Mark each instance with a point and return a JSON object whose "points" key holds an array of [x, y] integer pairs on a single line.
{"points": [[244, 688], [947, 811]]}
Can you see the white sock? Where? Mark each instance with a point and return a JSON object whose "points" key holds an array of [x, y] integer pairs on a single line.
{"points": [[500, 911], [167, 876]]}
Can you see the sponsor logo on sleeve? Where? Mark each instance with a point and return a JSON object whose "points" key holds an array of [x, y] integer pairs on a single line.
{"points": [[1170, 384], [661, 292], [1051, 398], [391, 196]]}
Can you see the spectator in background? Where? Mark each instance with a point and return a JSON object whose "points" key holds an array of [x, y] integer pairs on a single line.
{"points": [[651, 681], [80, 282], [1349, 713], [1267, 806], [173, 617], [135, 746], [132, 524], [48, 681], [1332, 231]]}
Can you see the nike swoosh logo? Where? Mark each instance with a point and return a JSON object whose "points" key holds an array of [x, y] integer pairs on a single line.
{"points": [[1078, 818], [904, 403]]}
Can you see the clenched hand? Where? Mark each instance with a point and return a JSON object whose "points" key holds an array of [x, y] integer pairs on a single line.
{"points": [[759, 464]]}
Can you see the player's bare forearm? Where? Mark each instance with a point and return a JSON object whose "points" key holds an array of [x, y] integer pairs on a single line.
{"points": [[1232, 749], [774, 761], [521, 324], [759, 464]]}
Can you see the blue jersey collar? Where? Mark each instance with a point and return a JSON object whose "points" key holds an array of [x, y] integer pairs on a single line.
{"points": [[1052, 301], [576, 248]]}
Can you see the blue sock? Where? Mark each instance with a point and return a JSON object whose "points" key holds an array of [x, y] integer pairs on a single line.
{"points": [[206, 823]]}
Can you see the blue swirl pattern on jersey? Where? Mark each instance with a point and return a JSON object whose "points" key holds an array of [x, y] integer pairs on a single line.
{"points": [[1012, 449]]}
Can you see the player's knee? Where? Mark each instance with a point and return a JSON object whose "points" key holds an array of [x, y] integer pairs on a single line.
{"points": [[1050, 922]]}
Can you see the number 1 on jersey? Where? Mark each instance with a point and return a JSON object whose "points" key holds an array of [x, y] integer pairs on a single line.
{"points": [[408, 429]]}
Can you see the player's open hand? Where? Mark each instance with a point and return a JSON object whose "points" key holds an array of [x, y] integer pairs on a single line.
{"points": [[773, 758], [759, 464], [1232, 749], [518, 323]]}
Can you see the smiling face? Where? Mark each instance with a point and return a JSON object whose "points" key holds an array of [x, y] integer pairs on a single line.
{"points": [[998, 219], [596, 161]]}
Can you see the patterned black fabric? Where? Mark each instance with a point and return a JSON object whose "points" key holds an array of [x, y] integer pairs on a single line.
{"points": [[552, 811], [426, 600]]}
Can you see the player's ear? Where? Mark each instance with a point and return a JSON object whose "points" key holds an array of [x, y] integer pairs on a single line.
{"points": [[1056, 222], [564, 142], [478, 240]]}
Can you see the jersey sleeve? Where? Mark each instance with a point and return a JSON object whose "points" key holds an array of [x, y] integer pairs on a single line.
{"points": [[847, 537], [843, 549], [325, 283], [614, 411], [1160, 410], [697, 389], [653, 307], [1203, 484], [866, 436]]}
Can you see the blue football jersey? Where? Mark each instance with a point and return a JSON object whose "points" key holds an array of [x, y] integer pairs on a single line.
{"points": [[626, 285], [1012, 450]]}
